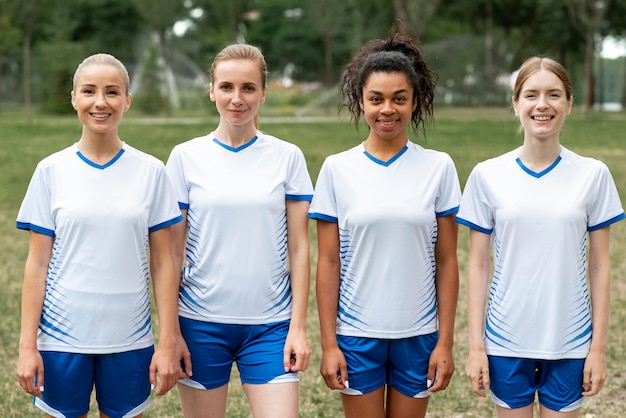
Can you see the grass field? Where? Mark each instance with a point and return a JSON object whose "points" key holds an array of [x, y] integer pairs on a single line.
{"points": [[468, 135]]}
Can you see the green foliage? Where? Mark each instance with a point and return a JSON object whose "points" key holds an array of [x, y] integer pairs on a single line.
{"points": [[150, 99]]}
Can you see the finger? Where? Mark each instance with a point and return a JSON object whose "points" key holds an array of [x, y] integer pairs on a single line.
{"points": [[187, 364], [287, 356]]}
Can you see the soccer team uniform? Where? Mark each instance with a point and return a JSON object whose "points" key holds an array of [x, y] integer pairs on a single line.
{"points": [[539, 302], [100, 216], [387, 219], [386, 213], [236, 250]]}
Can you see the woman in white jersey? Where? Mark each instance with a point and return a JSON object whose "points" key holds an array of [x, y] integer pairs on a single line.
{"points": [[539, 208], [387, 273], [92, 210], [245, 196]]}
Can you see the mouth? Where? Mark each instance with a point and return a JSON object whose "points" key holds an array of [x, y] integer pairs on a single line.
{"points": [[388, 123], [542, 118], [100, 115]]}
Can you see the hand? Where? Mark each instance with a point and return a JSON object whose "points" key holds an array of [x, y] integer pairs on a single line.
{"points": [[477, 370], [184, 356], [165, 363], [297, 352], [29, 369], [440, 368], [594, 373], [334, 369]]}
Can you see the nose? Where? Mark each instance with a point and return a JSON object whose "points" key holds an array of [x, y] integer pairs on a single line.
{"points": [[100, 99], [542, 103], [236, 100], [387, 107]]}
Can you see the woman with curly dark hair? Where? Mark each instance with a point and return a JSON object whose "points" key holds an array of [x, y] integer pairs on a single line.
{"points": [[387, 273]]}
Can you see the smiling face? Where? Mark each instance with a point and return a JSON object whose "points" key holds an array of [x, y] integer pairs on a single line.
{"points": [[387, 105], [99, 98], [542, 105], [237, 90]]}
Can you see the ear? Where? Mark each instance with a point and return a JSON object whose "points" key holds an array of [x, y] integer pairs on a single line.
{"points": [[570, 104], [263, 96], [129, 98], [211, 95], [73, 98], [514, 103]]}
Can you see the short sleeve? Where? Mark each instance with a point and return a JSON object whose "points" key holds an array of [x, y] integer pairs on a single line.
{"points": [[324, 203], [475, 210], [35, 213]]}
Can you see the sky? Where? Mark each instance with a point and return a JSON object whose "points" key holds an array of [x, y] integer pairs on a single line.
{"points": [[613, 48]]}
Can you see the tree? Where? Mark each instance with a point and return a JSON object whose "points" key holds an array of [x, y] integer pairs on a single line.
{"points": [[586, 15], [10, 35], [415, 15]]}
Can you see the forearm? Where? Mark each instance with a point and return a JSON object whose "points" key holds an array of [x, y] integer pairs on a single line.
{"points": [[600, 288], [479, 271], [165, 284]]}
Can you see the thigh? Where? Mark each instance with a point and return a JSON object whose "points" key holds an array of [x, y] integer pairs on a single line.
{"points": [[260, 357], [68, 383], [272, 400], [409, 359], [366, 359], [203, 403], [560, 384], [513, 381], [123, 382], [402, 406], [212, 348], [369, 405]]}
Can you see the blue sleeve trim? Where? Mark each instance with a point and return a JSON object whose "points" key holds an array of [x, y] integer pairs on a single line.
{"points": [[165, 224], [322, 217], [607, 223], [307, 197], [473, 226], [30, 227], [448, 212], [182, 205]]}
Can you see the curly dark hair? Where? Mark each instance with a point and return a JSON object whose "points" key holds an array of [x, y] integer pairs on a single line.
{"points": [[399, 53]]}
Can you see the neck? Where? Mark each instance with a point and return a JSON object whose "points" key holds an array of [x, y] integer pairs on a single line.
{"points": [[384, 149], [539, 155], [235, 136], [101, 148]]}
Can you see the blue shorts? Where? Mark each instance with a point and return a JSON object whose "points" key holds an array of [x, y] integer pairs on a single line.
{"points": [[122, 382], [558, 383], [257, 350], [401, 363]]}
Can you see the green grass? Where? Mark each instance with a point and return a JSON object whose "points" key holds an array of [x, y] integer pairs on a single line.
{"points": [[468, 135]]}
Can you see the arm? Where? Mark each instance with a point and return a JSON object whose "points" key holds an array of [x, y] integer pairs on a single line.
{"points": [[479, 272], [441, 363], [333, 365], [30, 363], [297, 353], [165, 361], [599, 269]]}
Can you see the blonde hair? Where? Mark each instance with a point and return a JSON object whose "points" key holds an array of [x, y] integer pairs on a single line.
{"points": [[243, 52], [102, 59]]}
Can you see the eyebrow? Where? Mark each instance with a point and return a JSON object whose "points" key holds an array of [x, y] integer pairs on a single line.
{"points": [[108, 86], [400, 91]]}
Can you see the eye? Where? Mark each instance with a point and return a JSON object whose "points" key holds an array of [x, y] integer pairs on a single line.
{"points": [[401, 99], [249, 88], [112, 93], [225, 87]]}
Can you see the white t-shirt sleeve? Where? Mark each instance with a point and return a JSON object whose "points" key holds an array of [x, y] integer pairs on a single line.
{"points": [[447, 201], [176, 175], [163, 211], [324, 204], [607, 207], [475, 210], [299, 186], [35, 213]]}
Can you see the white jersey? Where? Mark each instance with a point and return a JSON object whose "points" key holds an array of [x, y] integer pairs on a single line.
{"points": [[97, 299], [539, 299], [236, 250], [387, 213]]}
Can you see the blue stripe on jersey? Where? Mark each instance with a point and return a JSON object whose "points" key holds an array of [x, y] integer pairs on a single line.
{"points": [[31, 227], [541, 173], [323, 217], [165, 224], [389, 162], [242, 147], [182, 205], [307, 197], [473, 226], [98, 166], [607, 223], [448, 212]]}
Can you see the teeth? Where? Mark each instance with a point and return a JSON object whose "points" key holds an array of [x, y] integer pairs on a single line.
{"points": [[543, 118]]}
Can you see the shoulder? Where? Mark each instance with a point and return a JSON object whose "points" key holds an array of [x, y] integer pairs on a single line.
{"points": [[58, 157], [343, 156], [142, 157], [581, 161], [192, 144], [429, 153], [277, 143]]}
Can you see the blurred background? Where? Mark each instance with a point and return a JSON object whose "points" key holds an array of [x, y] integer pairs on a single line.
{"points": [[474, 47]]}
